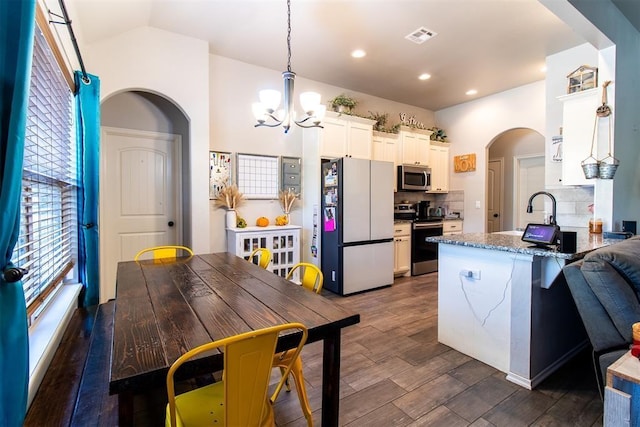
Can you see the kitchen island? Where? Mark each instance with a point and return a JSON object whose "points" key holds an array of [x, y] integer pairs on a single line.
{"points": [[506, 303]]}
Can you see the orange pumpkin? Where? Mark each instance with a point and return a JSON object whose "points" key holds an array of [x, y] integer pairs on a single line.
{"points": [[262, 221]]}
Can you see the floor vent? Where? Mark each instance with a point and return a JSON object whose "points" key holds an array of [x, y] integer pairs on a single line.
{"points": [[420, 35]]}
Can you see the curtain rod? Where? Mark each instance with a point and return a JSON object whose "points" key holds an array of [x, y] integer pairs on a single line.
{"points": [[67, 22]]}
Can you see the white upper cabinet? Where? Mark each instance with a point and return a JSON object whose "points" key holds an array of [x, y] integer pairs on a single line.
{"points": [[346, 136], [439, 164], [414, 146], [578, 117], [385, 147]]}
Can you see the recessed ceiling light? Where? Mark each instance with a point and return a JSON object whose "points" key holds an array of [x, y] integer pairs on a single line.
{"points": [[543, 69], [424, 76], [471, 92], [358, 53]]}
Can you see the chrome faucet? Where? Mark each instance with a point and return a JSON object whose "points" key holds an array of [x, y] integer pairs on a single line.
{"points": [[553, 205]]}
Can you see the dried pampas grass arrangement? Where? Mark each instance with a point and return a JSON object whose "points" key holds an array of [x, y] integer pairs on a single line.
{"points": [[229, 197], [287, 198]]}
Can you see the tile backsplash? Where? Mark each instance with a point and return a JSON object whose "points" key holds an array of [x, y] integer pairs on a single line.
{"points": [[572, 205], [453, 200]]}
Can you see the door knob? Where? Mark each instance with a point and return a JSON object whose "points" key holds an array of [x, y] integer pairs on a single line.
{"points": [[495, 215], [170, 223]]}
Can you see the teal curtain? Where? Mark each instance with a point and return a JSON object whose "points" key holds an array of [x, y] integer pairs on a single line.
{"points": [[17, 23], [88, 139]]}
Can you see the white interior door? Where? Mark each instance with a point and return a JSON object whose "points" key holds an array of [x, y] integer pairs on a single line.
{"points": [[139, 196], [495, 193], [529, 174]]}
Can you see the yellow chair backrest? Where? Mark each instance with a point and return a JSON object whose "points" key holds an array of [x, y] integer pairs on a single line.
{"points": [[248, 359], [264, 257], [159, 252], [311, 276]]}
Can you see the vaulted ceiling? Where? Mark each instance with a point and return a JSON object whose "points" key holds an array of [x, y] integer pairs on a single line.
{"points": [[487, 45]]}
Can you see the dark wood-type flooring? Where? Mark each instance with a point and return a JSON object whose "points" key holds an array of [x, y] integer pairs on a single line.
{"points": [[395, 373]]}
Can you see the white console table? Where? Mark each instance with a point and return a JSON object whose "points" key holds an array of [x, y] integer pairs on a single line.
{"points": [[282, 241]]}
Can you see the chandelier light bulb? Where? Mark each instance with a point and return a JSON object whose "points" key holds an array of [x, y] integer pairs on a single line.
{"points": [[319, 113], [270, 99], [259, 112], [309, 101]]}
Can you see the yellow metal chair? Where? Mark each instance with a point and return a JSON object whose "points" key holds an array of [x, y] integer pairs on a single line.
{"points": [[311, 276], [312, 280], [264, 257], [288, 358], [159, 252], [240, 399]]}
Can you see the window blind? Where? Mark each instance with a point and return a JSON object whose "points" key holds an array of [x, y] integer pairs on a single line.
{"points": [[47, 244]]}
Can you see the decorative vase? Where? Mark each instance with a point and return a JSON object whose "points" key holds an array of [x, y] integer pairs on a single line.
{"points": [[231, 218]]}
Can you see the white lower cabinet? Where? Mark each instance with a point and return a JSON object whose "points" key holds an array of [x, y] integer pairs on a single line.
{"points": [[402, 249], [452, 226], [282, 241]]}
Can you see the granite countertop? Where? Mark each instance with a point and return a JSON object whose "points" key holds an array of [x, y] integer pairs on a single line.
{"points": [[512, 243]]}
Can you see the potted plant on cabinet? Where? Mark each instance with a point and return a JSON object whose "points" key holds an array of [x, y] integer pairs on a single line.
{"points": [[343, 104]]}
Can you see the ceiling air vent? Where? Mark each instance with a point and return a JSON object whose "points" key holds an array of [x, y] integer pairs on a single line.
{"points": [[420, 35]]}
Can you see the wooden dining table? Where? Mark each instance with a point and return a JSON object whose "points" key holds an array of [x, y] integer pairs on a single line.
{"points": [[166, 307]]}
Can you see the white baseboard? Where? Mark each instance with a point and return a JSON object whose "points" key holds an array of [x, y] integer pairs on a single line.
{"points": [[531, 383]]}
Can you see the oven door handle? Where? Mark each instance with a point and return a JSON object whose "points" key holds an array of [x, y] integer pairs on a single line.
{"points": [[427, 225]]}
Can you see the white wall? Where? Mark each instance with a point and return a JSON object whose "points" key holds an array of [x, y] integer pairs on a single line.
{"points": [[234, 86], [176, 67], [516, 142], [472, 126], [558, 67]]}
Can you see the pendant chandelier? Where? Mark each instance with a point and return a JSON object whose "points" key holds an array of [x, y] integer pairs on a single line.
{"points": [[265, 110]]}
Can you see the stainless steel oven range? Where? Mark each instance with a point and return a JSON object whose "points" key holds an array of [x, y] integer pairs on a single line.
{"points": [[424, 255]]}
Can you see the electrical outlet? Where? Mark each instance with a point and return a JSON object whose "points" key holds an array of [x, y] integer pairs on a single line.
{"points": [[470, 274], [477, 204]]}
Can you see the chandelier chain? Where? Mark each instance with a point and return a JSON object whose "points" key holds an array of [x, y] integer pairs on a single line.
{"points": [[289, 35], [265, 110]]}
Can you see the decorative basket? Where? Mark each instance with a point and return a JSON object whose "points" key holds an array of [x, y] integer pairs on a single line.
{"points": [[605, 168], [608, 166], [590, 167]]}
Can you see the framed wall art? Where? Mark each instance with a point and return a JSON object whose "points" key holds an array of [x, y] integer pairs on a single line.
{"points": [[220, 172], [258, 176], [464, 163]]}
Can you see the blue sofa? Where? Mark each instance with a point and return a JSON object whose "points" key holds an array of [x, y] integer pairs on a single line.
{"points": [[605, 286]]}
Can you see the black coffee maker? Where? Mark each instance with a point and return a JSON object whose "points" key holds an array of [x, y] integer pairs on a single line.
{"points": [[422, 209]]}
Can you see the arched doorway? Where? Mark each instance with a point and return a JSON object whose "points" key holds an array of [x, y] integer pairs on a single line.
{"points": [[144, 148], [515, 170]]}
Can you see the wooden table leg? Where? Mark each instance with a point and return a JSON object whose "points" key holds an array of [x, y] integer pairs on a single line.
{"points": [[125, 409], [331, 379]]}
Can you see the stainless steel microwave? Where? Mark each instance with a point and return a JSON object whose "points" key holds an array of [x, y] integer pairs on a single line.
{"points": [[414, 178]]}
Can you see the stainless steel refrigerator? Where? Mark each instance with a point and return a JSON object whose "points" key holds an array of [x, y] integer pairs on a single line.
{"points": [[357, 225]]}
